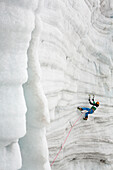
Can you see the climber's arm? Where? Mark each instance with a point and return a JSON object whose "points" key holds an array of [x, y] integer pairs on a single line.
{"points": [[91, 102]]}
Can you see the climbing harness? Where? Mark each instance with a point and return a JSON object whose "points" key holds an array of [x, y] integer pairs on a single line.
{"points": [[66, 139]]}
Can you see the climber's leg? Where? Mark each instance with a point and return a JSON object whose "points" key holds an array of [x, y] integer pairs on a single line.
{"points": [[85, 108], [86, 114]]}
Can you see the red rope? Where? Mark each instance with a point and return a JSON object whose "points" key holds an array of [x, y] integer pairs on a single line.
{"points": [[65, 140]]}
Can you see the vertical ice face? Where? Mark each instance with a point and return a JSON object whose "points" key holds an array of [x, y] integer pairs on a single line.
{"points": [[17, 21], [15, 33], [75, 53], [72, 40]]}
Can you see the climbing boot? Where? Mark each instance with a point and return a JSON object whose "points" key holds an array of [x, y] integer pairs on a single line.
{"points": [[79, 108], [85, 118]]}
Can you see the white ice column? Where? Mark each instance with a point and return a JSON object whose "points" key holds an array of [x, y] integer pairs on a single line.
{"points": [[16, 25], [33, 145]]}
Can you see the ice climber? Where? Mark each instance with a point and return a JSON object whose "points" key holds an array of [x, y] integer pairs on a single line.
{"points": [[89, 110]]}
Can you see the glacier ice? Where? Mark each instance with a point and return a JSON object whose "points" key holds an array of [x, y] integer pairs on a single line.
{"points": [[53, 53]]}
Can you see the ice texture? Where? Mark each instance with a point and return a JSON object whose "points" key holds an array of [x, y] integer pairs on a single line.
{"points": [[53, 54]]}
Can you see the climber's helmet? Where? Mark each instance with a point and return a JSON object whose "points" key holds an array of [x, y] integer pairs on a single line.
{"points": [[97, 103]]}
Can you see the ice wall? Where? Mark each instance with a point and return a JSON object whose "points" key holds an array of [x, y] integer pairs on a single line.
{"points": [[71, 42], [76, 57], [19, 24]]}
